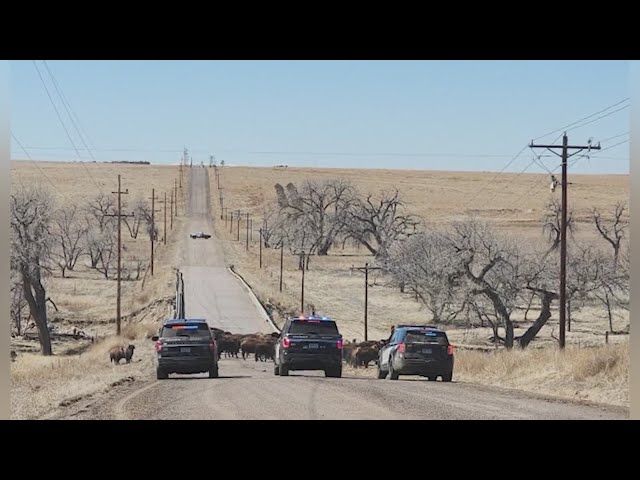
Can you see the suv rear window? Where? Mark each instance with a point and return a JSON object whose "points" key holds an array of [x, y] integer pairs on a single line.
{"points": [[186, 330], [426, 336], [319, 327]]}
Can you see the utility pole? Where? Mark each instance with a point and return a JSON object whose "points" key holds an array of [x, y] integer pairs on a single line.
{"points": [[238, 234], [226, 216], [231, 222], [366, 270], [247, 232], [281, 261], [119, 275], [153, 224], [565, 147], [175, 194], [171, 210], [302, 287], [251, 230], [164, 236], [260, 248]]}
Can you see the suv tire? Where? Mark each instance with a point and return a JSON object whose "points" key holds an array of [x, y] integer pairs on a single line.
{"points": [[276, 370], [213, 372], [333, 372], [161, 374], [393, 375], [447, 377], [283, 370], [382, 374]]}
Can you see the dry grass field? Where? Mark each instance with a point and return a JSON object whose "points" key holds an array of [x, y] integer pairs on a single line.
{"points": [[513, 203]]}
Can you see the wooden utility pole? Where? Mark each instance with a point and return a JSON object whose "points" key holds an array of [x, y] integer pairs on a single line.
{"points": [[164, 236], [366, 270], [238, 233], [119, 215], [231, 222], [260, 231], [247, 247], [281, 263], [175, 195], [302, 288], [153, 224], [171, 210], [565, 147]]}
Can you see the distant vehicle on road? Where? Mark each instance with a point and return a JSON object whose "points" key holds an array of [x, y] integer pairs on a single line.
{"points": [[416, 350], [186, 346], [309, 343], [200, 235]]}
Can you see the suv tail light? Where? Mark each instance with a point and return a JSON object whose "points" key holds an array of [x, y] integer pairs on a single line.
{"points": [[158, 346], [450, 350], [340, 344], [286, 342], [401, 347]]}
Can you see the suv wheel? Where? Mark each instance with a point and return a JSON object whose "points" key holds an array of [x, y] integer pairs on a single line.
{"points": [[432, 378], [334, 372], [276, 370], [213, 371], [381, 373], [283, 370], [447, 377], [161, 374], [393, 375]]}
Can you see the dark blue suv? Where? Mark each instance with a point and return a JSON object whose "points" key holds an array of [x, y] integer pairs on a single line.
{"points": [[416, 350], [186, 346]]}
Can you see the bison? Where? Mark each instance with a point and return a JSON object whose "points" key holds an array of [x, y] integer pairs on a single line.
{"points": [[118, 353]]}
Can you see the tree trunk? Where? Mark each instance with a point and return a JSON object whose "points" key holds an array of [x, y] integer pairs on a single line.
{"points": [[609, 313], [38, 308], [508, 333], [545, 314]]}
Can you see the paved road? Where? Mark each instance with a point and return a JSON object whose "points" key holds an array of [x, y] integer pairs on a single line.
{"points": [[249, 389], [211, 291]]}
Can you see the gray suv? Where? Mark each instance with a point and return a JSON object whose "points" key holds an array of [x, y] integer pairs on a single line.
{"points": [[186, 346]]}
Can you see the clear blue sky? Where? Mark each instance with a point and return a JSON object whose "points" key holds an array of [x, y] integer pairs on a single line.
{"points": [[440, 115]]}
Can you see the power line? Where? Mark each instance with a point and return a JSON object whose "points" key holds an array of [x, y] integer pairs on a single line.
{"points": [[561, 129], [68, 108], [598, 118], [63, 125], [38, 166]]}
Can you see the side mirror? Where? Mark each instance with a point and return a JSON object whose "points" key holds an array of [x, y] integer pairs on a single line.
{"points": [[155, 338]]}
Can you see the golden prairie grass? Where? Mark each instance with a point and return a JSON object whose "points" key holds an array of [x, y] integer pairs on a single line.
{"points": [[594, 374], [41, 385], [597, 374]]}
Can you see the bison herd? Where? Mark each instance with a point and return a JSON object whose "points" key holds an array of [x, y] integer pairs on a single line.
{"points": [[262, 347]]}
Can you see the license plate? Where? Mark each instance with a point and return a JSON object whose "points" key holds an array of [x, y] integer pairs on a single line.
{"points": [[313, 345], [426, 350], [185, 349]]}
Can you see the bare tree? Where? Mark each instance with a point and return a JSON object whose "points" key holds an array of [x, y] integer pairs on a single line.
{"points": [[69, 234], [106, 246], [422, 264], [101, 208], [378, 222], [318, 210], [18, 304], [31, 212], [141, 215], [552, 224], [614, 230]]}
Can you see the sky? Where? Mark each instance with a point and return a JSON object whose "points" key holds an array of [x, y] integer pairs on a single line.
{"points": [[427, 115]]}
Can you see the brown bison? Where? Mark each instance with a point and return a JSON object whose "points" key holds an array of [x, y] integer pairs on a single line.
{"points": [[265, 351], [118, 353]]}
